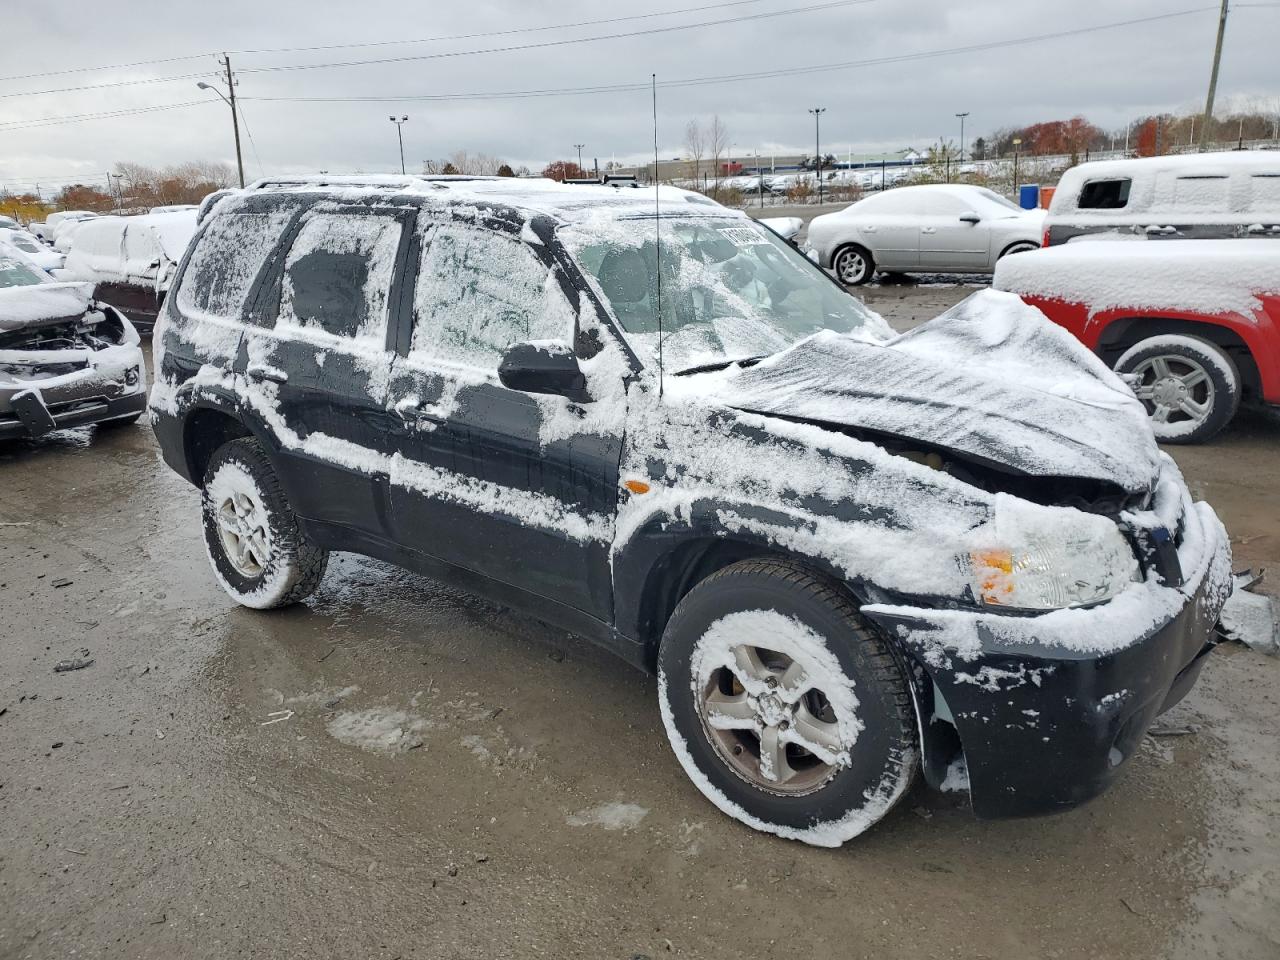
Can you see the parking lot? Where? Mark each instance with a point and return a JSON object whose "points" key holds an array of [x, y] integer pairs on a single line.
{"points": [[396, 769]]}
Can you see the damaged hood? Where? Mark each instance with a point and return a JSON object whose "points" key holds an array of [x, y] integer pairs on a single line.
{"points": [[991, 378], [20, 306]]}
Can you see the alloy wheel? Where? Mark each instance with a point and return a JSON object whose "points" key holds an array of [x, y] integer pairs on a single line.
{"points": [[1174, 389]]}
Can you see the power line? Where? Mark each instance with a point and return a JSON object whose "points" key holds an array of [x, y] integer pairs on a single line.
{"points": [[103, 115], [790, 11], [384, 43], [736, 77]]}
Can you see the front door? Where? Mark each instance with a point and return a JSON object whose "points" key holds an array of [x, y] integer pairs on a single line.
{"points": [[315, 369], [517, 487], [949, 243]]}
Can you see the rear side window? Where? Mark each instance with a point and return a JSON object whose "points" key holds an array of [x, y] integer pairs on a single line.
{"points": [[478, 294], [1201, 193], [226, 261], [337, 276], [1105, 194]]}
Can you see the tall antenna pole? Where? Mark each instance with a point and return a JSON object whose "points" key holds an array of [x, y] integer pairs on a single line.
{"points": [[657, 224], [235, 117], [1213, 76]]}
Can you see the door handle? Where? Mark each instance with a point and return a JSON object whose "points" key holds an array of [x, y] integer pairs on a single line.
{"points": [[260, 372], [928, 230], [410, 410]]}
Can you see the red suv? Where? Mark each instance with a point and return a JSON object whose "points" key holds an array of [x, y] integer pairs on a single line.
{"points": [[1194, 325]]}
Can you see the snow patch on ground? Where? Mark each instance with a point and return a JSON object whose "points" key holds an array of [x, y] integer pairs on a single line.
{"points": [[378, 729], [609, 816]]}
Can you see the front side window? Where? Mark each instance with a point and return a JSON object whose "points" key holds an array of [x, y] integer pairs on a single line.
{"points": [[1105, 194], [479, 293], [730, 289], [337, 276], [226, 260]]}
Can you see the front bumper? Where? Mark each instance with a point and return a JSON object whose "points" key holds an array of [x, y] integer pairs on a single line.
{"points": [[101, 390], [1047, 708]]}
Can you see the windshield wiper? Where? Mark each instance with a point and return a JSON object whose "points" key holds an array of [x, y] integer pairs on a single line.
{"points": [[720, 365]]}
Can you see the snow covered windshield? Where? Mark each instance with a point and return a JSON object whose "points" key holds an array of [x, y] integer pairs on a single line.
{"points": [[15, 273], [730, 289]]}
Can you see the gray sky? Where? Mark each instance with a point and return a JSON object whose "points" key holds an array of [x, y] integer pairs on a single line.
{"points": [[1108, 75]]}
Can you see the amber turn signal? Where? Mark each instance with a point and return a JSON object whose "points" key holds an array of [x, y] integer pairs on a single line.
{"points": [[636, 486]]}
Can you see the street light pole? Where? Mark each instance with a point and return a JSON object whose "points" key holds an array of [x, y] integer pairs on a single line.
{"points": [[962, 116], [817, 147], [235, 117], [579, 147], [1016, 144], [399, 121]]}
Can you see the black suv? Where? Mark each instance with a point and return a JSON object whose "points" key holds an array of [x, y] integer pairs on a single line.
{"points": [[847, 555]]}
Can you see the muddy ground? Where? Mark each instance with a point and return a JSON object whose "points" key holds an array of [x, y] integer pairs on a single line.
{"points": [[397, 769]]}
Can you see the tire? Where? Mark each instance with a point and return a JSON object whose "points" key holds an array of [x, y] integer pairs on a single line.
{"points": [[1022, 246], [1190, 387], [863, 709], [853, 265], [242, 504]]}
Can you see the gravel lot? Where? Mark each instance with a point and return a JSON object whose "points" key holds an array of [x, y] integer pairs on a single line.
{"points": [[225, 783]]}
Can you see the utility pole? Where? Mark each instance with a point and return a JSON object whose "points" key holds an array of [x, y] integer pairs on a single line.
{"points": [[398, 121], [579, 147], [817, 147], [1213, 76], [235, 117]]}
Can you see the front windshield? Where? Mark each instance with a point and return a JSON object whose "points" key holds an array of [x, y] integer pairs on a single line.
{"points": [[15, 273], [731, 289]]}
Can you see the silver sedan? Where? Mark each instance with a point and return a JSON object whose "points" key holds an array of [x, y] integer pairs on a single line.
{"points": [[935, 228]]}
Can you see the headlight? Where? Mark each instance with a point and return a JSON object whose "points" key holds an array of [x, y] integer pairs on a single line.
{"points": [[1048, 558]]}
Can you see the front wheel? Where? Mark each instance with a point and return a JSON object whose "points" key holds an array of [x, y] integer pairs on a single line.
{"points": [[853, 266], [784, 708], [1190, 387], [258, 550]]}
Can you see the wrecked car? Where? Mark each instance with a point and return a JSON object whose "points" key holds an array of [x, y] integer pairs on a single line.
{"points": [[65, 359], [848, 556]]}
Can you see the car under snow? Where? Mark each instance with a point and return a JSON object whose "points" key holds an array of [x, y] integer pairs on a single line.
{"points": [[848, 556], [65, 359]]}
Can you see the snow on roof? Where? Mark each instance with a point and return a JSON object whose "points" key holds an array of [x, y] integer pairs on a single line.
{"points": [[1184, 163], [565, 202], [1199, 276]]}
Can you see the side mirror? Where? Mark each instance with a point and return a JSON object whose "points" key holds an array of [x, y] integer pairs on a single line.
{"points": [[969, 217], [544, 367]]}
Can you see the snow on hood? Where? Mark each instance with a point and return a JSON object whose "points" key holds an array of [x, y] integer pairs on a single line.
{"points": [[991, 378], [1205, 276], [20, 306]]}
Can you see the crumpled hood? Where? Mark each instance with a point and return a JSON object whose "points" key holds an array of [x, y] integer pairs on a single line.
{"points": [[20, 306], [991, 377]]}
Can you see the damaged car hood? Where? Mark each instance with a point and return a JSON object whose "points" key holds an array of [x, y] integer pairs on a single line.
{"points": [[991, 378], [21, 306]]}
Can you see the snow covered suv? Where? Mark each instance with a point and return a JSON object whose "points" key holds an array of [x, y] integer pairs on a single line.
{"points": [[847, 556]]}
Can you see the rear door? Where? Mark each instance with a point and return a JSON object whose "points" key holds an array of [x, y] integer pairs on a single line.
{"points": [[507, 484], [315, 366], [890, 231], [949, 243]]}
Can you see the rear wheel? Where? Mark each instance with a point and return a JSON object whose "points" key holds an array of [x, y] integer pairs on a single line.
{"points": [[853, 265], [1020, 247], [1190, 387], [783, 706], [258, 550]]}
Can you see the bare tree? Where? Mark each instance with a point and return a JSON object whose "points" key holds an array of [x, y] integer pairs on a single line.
{"points": [[695, 142], [717, 143]]}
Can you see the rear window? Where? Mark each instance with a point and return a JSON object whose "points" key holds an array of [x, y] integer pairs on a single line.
{"points": [[337, 277], [1105, 194], [226, 261]]}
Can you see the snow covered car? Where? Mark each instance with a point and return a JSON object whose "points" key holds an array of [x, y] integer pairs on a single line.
{"points": [[131, 260], [1195, 325], [1195, 196], [65, 360], [847, 556], [31, 249], [934, 228]]}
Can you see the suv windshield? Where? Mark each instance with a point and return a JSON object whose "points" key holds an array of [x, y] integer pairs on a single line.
{"points": [[731, 289]]}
